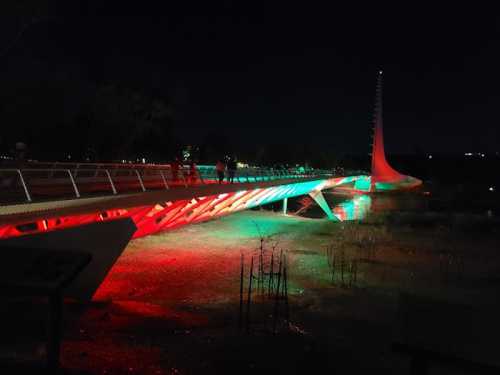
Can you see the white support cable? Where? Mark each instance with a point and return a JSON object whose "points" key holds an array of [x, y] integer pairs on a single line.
{"points": [[77, 193], [111, 182], [28, 197], [164, 180], [140, 180]]}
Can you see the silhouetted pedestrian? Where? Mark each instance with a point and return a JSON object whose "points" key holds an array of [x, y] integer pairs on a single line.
{"points": [[231, 169], [219, 168], [175, 170], [193, 172]]}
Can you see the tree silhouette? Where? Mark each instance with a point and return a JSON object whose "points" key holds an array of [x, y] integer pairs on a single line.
{"points": [[126, 124]]}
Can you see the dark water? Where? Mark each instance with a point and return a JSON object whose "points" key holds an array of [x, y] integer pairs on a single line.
{"points": [[443, 199], [360, 206]]}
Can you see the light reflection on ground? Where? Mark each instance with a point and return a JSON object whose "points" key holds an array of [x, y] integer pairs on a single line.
{"points": [[177, 294]]}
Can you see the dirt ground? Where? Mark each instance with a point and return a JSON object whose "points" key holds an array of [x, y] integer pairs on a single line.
{"points": [[170, 305]]}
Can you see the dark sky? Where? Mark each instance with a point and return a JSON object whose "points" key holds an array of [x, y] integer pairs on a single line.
{"points": [[264, 73]]}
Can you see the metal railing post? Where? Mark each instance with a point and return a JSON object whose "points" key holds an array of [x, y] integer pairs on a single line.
{"points": [[77, 193], [164, 180], [28, 197], [111, 182], [140, 180]]}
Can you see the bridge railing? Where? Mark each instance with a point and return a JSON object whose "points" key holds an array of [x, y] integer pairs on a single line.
{"points": [[77, 180]]}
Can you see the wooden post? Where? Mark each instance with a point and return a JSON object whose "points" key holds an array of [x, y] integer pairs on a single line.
{"points": [[351, 269], [276, 299], [261, 270], [271, 276], [285, 290], [342, 260], [240, 317], [333, 268], [249, 299]]}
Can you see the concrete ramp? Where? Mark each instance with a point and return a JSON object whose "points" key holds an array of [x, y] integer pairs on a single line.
{"points": [[105, 241]]}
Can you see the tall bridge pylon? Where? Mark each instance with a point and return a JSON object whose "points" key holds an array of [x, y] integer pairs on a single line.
{"points": [[383, 177]]}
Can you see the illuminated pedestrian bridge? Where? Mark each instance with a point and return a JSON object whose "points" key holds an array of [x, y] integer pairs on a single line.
{"points": [[98, 208], [49, 196], [154, 197]]}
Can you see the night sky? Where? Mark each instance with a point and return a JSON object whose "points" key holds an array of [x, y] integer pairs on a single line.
{"points": [[263, 74]]}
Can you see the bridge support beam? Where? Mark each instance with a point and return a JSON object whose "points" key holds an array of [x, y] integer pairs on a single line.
{"points": [[285, 205], [318, 197]]}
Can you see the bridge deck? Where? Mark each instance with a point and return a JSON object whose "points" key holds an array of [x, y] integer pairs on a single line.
{"points": [[156, 197], [25, 212]]}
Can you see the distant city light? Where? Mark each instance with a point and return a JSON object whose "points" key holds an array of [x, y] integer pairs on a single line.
{"points": [[475, 153]]}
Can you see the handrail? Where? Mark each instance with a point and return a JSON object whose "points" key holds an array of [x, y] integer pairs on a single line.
{"points": [[38, 183], [28, 197], [88, 165]]}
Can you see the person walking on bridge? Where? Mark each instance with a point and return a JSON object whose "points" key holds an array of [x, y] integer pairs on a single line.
{"points": [[220, 168], [174, 168], [231, 169], [193, 173]]}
